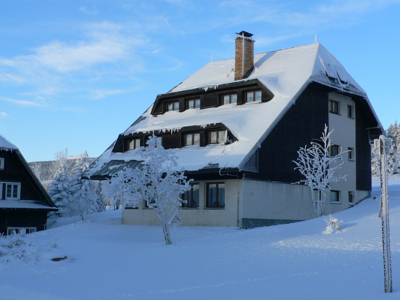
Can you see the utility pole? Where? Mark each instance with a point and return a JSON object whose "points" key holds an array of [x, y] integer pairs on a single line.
{"points": [[383, 145]]}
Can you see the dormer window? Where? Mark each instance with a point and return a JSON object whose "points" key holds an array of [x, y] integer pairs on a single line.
{"points": [[134, 143], [1, 163], [217, 137], [229, 99], [253, 96], [191, 139], [173, 106], [193, 103]]}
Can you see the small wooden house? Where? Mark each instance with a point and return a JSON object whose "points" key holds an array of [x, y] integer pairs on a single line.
{"points": [[24, 203]]}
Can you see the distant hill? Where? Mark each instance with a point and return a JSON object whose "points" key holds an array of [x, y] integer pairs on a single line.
{"points": [[45, 170]]}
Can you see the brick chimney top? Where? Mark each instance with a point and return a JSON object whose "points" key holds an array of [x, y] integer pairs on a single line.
{"points": [[244, 55]]}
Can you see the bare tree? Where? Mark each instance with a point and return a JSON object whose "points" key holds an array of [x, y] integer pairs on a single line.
{"points": [[318, 167]]}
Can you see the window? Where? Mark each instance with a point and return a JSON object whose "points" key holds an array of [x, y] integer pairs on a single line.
{"points": [[350, 111], [334, 150], [20, 230], [194, 103], [351, 153], [215, 195], [351, 196], [253, 96], [229, 99], [173, 106], [191, 139], [1, 163], [217, 137], [134, 143], [13, 190], [192, 197], [335, 196], [334, 106]]}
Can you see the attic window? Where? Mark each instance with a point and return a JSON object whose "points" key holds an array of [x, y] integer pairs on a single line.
{"points": [[193, 103], [13, 190], [173, 106], [134, 143], [253, 96], [217, 137], [229, 99], [191, 139]]}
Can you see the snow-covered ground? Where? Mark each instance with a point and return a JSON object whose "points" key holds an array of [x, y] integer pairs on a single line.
{"points": [[107, 260]]}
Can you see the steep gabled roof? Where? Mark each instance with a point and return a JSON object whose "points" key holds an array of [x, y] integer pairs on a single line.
{"points": [[284, 72], [5, 144]]}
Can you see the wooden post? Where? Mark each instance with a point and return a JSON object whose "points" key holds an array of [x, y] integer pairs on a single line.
{"points": [[383, 146]]}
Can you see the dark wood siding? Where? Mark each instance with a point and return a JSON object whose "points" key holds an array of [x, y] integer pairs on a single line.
{"points": [[22, 218], [303, 122], [363, 151], [16, 171]]}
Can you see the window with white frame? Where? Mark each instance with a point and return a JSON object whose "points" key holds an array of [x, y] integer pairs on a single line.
{"points": [[229, 99], [217, 137], [1, 163], [20, 230], [193, 103], [253, 96], [191, 139], [134, 143], [12, 190], [334, 107], [173, 106]]}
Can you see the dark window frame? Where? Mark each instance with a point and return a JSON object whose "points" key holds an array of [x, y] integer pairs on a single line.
{"points": [[351, 196], [189, 197], [207, 199], [172, 102], [351, 111], [351, 154], [334, 150], [217, 131], [192, 139], [194, 99], [231, 95], [254, 91], [338, 196], [334, 107]]}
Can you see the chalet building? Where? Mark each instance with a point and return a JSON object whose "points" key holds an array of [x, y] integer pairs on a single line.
{"points": [[24, 204], [236, 125]]}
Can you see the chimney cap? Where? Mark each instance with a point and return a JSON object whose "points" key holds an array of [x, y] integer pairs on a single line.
{"points": [[245, 34]]}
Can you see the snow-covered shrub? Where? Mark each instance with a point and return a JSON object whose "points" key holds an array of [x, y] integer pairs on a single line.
{"points": [[333, 225], [17, 248]]}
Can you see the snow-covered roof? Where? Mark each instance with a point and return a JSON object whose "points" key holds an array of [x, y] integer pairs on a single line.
{"points": [[5, 144], [284, 72], [24, 204]]}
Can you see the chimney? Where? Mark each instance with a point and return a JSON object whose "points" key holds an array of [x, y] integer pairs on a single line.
{"points": [[244, 55]]}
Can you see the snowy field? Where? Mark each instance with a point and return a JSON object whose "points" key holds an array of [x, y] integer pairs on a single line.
{"points": [[107, 260]]}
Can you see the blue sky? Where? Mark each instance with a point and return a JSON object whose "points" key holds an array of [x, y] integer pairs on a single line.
{"points": [[74, 74]]}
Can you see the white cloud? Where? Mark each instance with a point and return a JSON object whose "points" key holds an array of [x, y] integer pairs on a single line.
{"points": [[3, 115], [21, 102], [99, 94]]}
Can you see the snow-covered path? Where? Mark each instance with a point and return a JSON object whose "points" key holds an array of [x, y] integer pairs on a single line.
{"points": [[108, 260]]}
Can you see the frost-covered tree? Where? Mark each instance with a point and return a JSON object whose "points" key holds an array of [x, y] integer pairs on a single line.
{"points": [[156, 182], [319, 168], [72, 194]]}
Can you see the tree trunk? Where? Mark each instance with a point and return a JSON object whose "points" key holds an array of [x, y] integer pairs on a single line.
{"points": [[166, 234]]}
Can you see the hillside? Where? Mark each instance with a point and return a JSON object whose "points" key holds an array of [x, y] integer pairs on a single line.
{"points": [[107, 260]]}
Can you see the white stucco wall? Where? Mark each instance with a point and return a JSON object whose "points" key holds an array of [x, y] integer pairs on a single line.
{"points": [[201, 216]]}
